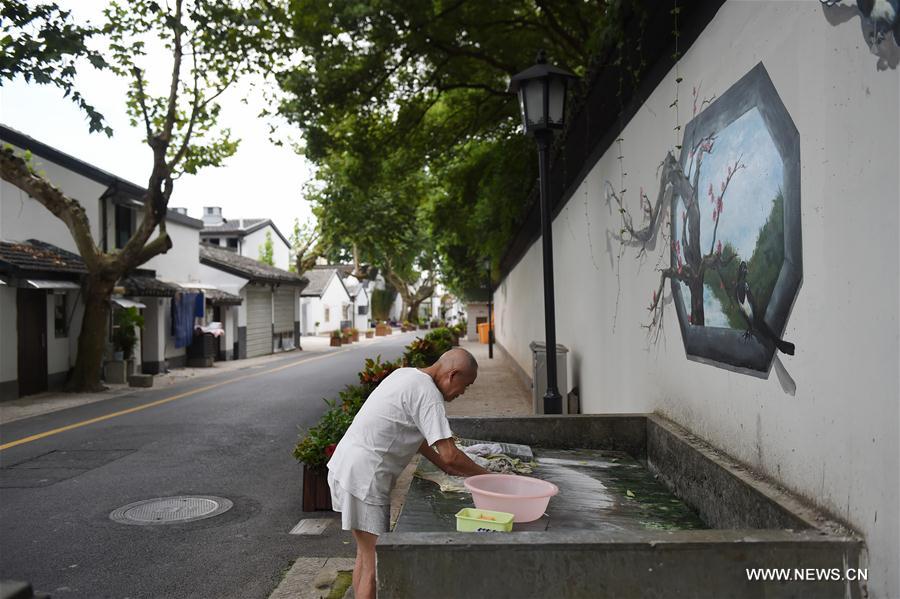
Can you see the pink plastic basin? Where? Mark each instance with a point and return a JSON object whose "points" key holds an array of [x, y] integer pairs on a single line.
{"points": [[524, 497]]}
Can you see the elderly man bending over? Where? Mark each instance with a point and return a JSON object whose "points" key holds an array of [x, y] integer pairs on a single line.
{"points": [[404, 414]]}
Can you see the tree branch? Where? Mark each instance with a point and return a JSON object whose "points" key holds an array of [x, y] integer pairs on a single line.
{"points": [[160, 245], [176, 75], [142, 98]]}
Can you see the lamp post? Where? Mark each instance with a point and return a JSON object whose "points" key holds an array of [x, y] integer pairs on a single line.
{"points": [[487, 268], [542, 100]]}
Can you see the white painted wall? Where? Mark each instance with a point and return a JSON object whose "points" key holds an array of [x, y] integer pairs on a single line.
{"points": [[361, 321], [181, 264], [281, 251], [22, 217], [311, 308], [836, 441], [155, 331], [397, 311], [336, 298]]}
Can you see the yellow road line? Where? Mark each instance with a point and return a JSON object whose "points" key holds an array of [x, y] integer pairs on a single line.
{"points": [[158, 402]]}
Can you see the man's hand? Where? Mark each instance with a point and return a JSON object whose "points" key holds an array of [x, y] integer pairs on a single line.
{"points": [[450, 459]]}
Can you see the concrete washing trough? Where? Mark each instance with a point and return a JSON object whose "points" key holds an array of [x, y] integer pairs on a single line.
{"points": [[738, 521]]}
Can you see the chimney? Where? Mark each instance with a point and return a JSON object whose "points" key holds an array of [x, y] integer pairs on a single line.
{"points": [[179, 210], [212, 216]]}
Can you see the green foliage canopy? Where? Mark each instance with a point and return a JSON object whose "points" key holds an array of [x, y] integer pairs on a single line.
{"points": [[403, 107]]}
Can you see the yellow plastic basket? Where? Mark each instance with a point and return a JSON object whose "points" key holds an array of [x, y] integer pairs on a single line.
{"points": [[471, 519]]}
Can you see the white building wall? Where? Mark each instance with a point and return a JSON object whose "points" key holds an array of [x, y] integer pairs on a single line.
{"points": [[314, 313], [836, 441], [361, 321], [22, 217], [181, 264], [397, 311], [335, 298], [253, 242]]}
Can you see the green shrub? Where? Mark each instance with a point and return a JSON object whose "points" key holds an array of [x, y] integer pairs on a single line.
{"points": [[442, 339], [311, 448], [124, 335]]}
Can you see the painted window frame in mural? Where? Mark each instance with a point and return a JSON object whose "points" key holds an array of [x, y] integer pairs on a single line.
{"points": [[729, 347]]}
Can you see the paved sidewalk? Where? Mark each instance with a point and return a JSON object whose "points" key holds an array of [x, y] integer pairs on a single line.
{"points": [[44, 403], [498, 391]]}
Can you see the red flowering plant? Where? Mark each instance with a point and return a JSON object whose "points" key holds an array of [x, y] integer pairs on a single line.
{"points": [[374, 372]]}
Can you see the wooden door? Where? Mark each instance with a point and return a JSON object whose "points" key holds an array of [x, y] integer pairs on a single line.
{"points": [[31, 322]]}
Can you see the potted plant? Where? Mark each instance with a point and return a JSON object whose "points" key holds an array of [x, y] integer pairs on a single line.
{"points": [[369, 333], [124, 337], [354, 332], [381, 329], [315, 449], [335, 338]]}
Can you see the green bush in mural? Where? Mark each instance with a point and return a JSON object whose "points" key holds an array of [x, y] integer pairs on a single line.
{"points": [[763, 267]]}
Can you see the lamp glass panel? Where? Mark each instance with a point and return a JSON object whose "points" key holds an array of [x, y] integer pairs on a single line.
{"points": [[534, 102], [557, 101], [522, 107]]}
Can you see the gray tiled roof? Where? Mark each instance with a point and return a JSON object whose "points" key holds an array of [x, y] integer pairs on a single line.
{"points": [[248, 268], [147, 286], [318, 281], [34, 256]]}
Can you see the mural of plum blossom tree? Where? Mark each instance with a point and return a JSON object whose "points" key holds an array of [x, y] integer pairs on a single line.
{"points": [[732, 206]]}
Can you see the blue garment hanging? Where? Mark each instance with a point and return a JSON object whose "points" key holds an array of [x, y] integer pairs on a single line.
{"points": [[184, 310], [199, 304]]}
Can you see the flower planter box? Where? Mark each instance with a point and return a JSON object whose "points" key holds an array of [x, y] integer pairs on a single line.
{"points": [[355, 337], [369, 334], [335, 342], [316, 494], [381, 330]]}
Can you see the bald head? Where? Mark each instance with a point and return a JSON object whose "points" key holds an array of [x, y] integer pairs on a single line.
{"points": [[454, 371], [458, 359]]}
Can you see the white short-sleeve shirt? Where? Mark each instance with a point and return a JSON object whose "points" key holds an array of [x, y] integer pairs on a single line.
{"points": [[405, 409]]}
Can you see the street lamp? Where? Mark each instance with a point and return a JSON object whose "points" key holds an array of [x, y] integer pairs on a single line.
{"points": [[542, 100], [487, 268]]}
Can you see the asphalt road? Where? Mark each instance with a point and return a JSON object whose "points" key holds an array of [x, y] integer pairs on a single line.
{"points": [[228, 435]]}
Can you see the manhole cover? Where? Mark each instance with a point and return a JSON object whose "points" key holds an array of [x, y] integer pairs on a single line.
{"points": [[171, 510]]}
